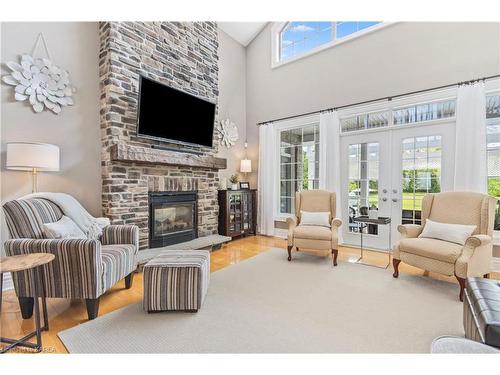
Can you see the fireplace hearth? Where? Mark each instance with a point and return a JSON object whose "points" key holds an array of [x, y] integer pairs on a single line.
{"points": [[173, 217]]}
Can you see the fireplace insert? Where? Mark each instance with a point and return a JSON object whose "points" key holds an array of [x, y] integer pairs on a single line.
{"points": [[173, 217]]}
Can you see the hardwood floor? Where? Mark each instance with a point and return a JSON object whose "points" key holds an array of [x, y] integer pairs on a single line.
{"points": [[65, 314]]}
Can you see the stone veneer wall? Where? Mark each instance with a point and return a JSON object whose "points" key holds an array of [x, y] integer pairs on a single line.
{"points": [[182, 55]]}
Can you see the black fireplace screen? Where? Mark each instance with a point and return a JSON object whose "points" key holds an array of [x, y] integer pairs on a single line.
{"points": [[173, 218]]}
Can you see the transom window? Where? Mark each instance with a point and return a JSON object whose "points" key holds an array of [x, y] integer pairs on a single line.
{"points": [[493, 149], [299, 37], [400, 116], [424, 112], [299, 164], [366, 121]]}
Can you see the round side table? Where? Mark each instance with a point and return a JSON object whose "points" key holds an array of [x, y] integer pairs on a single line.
{"points": [[31, 263]]}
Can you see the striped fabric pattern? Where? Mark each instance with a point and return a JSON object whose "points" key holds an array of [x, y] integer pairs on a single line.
{"points": [[76, 271], [120, 234], [25, 217], [82, 268], [117, 261], [176, 280]]}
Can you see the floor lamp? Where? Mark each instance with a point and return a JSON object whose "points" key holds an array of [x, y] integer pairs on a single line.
{"points": [[33, 157]]}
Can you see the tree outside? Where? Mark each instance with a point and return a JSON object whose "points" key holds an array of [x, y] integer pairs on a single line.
{"points": [[494, 191], [305, 168]]}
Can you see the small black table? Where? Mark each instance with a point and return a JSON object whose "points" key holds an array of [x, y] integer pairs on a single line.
{"points": [[363, 222]]}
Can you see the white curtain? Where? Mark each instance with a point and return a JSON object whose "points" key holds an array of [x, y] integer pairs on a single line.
{"points": [[329, 159], [266, 191], [470, 140]]}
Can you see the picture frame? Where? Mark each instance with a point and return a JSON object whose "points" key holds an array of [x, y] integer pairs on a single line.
{"points": [[244, 185]]}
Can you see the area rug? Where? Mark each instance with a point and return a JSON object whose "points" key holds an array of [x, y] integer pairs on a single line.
{"points": [[268, 305]]}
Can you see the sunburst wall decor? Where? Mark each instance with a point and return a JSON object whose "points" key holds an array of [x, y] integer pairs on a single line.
{"points": [[227, 133]]}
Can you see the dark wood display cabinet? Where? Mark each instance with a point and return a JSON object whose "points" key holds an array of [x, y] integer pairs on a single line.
{"points": [[237, 212]]}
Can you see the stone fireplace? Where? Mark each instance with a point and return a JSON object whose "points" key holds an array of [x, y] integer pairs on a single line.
{"points": [[173, 217], [184, 56]]}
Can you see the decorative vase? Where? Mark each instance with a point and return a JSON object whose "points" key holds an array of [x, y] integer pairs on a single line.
{"points": [[234, 186]]}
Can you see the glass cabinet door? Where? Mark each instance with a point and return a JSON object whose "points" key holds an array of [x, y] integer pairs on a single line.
{"points": [[235, 213], [246, 212]]}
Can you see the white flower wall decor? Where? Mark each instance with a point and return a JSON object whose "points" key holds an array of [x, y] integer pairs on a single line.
{"points": [[40, 82], [227, 132]]}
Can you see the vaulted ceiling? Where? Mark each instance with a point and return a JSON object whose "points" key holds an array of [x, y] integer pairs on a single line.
{"points": [[242, 32]]}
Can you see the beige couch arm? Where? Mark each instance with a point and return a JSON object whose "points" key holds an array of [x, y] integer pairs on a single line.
{"points": [[475, 260], [410, 230], [292, 223], [478, 240], [336, 222]]}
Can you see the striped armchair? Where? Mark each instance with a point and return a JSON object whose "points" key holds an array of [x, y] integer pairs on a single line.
{"points": [[82, 269]]}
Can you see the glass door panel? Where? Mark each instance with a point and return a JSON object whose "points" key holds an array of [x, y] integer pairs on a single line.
{"points": [[421, 174], [362, 176], [423, 162], [363, 182]]}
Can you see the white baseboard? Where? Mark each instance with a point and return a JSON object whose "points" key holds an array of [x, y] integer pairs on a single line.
{"points": [[495, 264], [7, 282]]}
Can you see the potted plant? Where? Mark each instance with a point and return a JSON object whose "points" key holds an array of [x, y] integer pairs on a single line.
{"points": [[234, 182]]}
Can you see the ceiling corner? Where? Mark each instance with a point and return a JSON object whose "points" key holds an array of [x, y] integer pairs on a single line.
{"points": [[242, 32]]}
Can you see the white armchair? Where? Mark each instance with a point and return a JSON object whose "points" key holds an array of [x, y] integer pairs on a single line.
{"points": [[309, 236]]}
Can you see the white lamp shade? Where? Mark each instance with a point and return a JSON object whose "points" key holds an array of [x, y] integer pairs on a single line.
{"points": [[246, 165], [25, 156]]}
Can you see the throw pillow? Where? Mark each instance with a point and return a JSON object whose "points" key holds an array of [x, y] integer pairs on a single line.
{"points": [[63, 229], [456, 233], [315, 218]]}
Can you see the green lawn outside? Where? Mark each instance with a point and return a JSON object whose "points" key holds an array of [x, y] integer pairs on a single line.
{"points": [[407, 200]]}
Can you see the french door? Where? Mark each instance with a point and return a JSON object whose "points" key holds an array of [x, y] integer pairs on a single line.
{"points": [[391, 170]]}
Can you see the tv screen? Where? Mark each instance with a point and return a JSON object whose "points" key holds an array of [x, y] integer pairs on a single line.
{"points": [[172, 115]]}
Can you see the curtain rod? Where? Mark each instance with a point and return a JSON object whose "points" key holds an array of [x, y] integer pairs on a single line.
{"points": [[388, 98]]}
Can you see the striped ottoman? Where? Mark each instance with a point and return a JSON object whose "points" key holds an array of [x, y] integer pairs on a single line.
{"points": [[176, 280]]}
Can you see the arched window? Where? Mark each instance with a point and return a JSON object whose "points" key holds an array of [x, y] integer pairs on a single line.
{"points": [[297, 38]]}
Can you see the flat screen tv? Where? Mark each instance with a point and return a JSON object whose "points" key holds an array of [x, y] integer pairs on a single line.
{"points": [[171, 115]]}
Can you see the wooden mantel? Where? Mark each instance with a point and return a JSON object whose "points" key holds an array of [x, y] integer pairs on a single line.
{"points": [[144, 155]]}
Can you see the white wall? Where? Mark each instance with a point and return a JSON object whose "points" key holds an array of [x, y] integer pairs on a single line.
{"points": [[75, 47], [232, 99], [400, 58]]}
